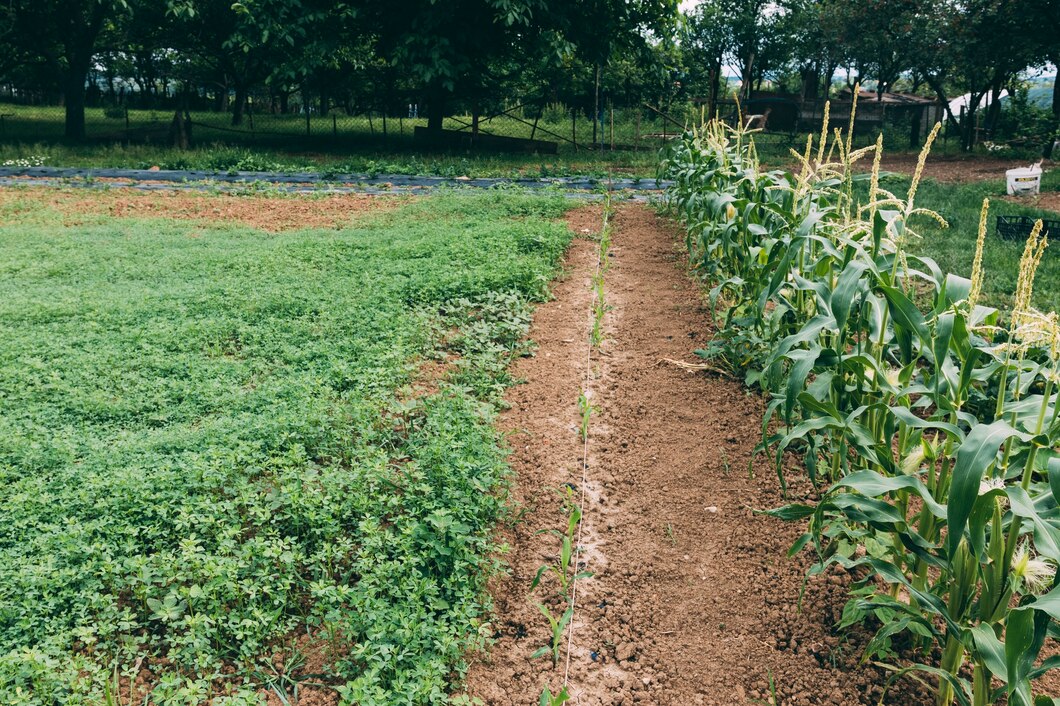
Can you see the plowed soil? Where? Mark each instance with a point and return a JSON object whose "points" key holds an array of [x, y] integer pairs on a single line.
{"points": [[692, 600], [268, 213], [955, 169], [1048, 200]]}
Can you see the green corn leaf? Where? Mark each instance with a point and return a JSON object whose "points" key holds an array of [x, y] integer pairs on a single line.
{"points": [[790, 512], [804, 361], [990, 650], [1019, 638], [954, 289], [906, 416], [1046, 535], [974, 457], [961, 689], [904, 312], [873, 484], [847, 289], [1054, 478]]}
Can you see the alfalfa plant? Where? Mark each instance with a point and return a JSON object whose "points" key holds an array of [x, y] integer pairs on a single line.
{"points": [[930, 421]]}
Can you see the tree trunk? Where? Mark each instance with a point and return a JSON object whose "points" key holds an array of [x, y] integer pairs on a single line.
{"points": [[436, 112], [745, 80], [994, 113], [240, 106], [811, 80], [1056, 89], [74, 95], [715, 82]]}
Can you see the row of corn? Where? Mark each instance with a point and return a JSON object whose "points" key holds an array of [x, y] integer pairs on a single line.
{"points": [[928, 421]]}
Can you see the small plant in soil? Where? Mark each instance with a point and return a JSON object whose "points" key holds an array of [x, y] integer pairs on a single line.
{"points": [[550, 699], [564, 571]]}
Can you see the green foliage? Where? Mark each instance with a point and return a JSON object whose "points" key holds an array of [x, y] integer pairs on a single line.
{"points": [[929, 424], [284, 159], [208, 446]]}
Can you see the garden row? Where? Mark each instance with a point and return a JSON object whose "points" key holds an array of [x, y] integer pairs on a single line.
{"points": [[928, 421]]}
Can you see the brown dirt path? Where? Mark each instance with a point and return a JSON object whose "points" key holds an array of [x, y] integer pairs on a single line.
{"points": [[692, 600]]}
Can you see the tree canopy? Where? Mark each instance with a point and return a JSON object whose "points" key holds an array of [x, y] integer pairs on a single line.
{"points": [[477, 55]]}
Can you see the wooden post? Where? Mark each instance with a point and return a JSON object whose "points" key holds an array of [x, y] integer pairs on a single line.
{"points": [[371, 125], [612, 127], [574, 128], [596, 104], [636, 138], [334, 125], [384, 123]]}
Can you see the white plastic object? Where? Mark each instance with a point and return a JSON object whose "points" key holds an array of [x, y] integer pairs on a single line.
{"points": [[1024, 181]]}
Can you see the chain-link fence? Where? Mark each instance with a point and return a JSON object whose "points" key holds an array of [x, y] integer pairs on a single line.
{"points": [[553, 128]]}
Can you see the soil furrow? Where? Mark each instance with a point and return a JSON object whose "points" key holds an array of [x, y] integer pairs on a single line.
{"points": [[692, 600]]}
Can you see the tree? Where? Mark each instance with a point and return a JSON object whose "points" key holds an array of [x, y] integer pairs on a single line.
{"points": [[706, 41], [468, 48], [61, 36], [966, 47], [247, 43]]}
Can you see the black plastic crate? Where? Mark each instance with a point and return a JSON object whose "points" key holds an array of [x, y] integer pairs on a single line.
{"points": [[1019, 227]]}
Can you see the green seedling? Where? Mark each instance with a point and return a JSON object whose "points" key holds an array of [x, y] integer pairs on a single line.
{"points": [[563, 571], [586, 409], [559, 627], [548, 699]]}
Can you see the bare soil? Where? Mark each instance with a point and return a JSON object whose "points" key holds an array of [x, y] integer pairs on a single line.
{"points": [[1047, 200], [268, 213], [692, 600], [949, 169]]}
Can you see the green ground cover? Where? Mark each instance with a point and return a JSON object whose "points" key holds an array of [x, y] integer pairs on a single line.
{"points": [[209, 447], [372, 160]]}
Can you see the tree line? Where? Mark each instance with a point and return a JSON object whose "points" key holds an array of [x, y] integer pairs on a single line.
{"points": [[481, 55]]}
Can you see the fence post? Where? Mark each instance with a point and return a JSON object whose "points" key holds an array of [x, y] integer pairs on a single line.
{"points": [[384, 123], [612, 127], [334, 125], [127, 136], [574, 128], [636, 137], [305, 107]]}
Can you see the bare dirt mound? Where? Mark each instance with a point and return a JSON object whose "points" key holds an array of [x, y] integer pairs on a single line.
{"points": [[951, 169], [692, 600], [272, 214], [1047, 200]]}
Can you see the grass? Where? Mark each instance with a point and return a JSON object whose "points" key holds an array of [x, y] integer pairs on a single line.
{"points": [[210, 447], [954, 248], [349, 144], [373, 159]]}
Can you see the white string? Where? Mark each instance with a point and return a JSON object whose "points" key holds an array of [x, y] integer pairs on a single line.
{"points": [[585, 445]]}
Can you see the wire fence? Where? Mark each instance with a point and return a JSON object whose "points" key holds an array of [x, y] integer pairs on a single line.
{"points": [[552, 129]]}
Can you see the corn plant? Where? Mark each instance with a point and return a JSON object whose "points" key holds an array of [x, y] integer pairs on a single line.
{"points": [[928, 420], [563, 572], [550, 699]]}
